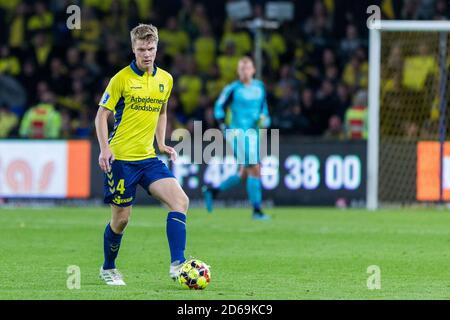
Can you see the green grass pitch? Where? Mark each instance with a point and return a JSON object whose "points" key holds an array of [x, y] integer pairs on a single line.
{"points": [[303, 253]]}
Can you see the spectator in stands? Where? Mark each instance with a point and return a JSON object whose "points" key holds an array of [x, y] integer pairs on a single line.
{"points": [[17, 26], [441, 11], [41, 21], [66, 131], [305, 70], [343, 100], [287, 111], [42, 50], [8, 121], [309, 116], [425, 9], [356, 117], [334, 130], [58, 78], [240, 40], [394, 64], [114, 56], [205, 49], [12, 94], [318, 28], [72, 59], [189, 88], [355, 74], [115, 22], [88, 38], [332, 74], [274, 47], [287, 79], [198, 19], [28, 78], [327, 104], [228, 62], [350, 43], [176, 118], [82, 125], [42, 121], [393, 99], [90, 63], [419, 68], [184, 18], [213, 84], [174, 39], [319, 17], [9, 64], [328, 59]]}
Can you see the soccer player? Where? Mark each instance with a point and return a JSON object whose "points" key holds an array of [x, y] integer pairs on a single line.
{"points": [[138, 95], [247, 100]]}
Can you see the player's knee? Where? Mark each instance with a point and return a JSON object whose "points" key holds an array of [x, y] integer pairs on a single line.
{"points": [[119, 224], [120, 218], [123, 222], [184, 202], [181, 203]]}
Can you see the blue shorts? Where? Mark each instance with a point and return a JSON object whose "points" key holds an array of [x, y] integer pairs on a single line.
{"points": [[120, 183]]}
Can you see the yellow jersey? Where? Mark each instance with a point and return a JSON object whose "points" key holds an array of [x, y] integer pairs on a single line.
{"points": [[136, 98]]}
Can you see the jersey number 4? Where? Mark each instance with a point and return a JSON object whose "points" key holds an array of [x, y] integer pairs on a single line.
{"points": [[121, 186]]}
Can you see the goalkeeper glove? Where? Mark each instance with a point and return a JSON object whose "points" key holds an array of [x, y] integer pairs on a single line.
{"points": [[262, 122]]}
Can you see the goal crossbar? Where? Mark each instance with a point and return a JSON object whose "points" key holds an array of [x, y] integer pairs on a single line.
{"points": [[414, 25]]}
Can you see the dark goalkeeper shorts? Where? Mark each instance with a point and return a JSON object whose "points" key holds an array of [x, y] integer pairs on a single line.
{"points": [[120, 184]]}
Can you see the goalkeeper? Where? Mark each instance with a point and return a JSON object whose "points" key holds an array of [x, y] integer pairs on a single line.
{"points": [[247, 100]]}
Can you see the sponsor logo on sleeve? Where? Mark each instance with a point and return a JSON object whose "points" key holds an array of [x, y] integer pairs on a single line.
{"points": [[105, 98]]}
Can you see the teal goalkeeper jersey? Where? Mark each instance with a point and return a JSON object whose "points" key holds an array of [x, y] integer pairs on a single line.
{"points": [[247, 103]]}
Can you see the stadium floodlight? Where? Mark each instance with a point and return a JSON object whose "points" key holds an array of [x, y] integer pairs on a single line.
{"points": [[239, 10], [275, 13], [408, 113], [256, 26], [281, 11]]}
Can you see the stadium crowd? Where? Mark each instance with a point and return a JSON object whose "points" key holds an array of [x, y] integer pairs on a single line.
{"points": [[315, 67]]}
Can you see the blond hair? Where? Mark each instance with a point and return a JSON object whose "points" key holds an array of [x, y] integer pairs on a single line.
{"points": [[246, 59], [147, 32]]}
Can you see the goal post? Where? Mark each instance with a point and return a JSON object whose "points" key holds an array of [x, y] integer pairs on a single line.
{"points": [[408, 105]]}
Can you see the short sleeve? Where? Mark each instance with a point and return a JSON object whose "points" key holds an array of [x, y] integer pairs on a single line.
{"points": [[169, 88], [112, 94]]}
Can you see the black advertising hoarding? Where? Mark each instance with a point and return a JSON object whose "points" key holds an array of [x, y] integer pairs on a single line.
{"points": [[305, 173]]}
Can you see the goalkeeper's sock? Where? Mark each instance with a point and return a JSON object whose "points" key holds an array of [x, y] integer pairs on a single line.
{"points": [[111, 245], [254, 192], [176, 235], [230, 183]]}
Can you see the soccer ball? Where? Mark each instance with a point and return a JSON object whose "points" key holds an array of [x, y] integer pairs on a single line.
{"points": [[194, 274]]}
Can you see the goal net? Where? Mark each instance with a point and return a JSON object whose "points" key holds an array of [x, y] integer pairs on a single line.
{"points": [[409, 117]]}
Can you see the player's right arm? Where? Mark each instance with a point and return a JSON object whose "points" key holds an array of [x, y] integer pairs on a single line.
{"points": [[224, 99], [101, 126], [107, 105]]}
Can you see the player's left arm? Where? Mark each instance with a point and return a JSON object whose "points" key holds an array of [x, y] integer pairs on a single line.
{"points": [[264, 116], [161, 134], [161, 127]]}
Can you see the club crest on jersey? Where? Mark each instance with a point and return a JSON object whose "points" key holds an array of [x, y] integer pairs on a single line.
{"points": [[161, 87]]}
